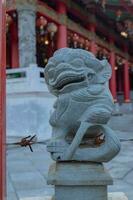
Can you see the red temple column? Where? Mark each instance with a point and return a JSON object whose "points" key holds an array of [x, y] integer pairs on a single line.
{"points": [[93, 42], [119, 80], [112, 82], [2, 100], [113, 77], [14, 46], [62, 29], [126, 82]]}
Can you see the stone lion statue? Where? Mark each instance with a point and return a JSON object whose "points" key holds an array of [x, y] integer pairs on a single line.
{"points": [[83, 107]]}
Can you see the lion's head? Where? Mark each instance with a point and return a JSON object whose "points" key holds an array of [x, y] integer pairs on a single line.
{"points": [[72, 68]]}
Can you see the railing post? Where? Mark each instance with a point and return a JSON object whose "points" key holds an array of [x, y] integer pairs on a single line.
{"points": [[2, 100]]}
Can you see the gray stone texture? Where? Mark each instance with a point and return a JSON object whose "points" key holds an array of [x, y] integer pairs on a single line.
{"points": [[79, 180], [83, 107], [26, 31]]}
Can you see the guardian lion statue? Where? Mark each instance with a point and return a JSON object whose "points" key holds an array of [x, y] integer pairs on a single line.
{"points": [[83, 107]]}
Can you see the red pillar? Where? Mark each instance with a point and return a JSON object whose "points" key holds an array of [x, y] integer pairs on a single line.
{"points": [[126, 82], [120, 85], [62, 29], [92, 28], [14, 46], [112, 82], [113, 77], [2, 99]]}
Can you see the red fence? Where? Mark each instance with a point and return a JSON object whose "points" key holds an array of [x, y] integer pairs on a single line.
{"points": [[2, 100]]}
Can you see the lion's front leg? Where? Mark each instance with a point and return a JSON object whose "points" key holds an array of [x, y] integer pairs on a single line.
{"points": [[68, 154]]}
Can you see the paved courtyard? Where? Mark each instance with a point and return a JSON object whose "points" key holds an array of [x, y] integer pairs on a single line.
{"points": [[27, 171]]}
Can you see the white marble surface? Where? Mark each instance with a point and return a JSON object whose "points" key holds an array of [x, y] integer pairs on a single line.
{"points": [[28, 105]]}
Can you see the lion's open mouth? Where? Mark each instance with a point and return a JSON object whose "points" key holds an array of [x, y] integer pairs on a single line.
{"points": [[68, 81]]}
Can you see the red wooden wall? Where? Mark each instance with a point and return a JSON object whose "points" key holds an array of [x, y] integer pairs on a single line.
{"points": [[2, 100]]}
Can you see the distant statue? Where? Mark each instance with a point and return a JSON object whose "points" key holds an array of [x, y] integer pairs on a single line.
{"points": [[83, 107]]}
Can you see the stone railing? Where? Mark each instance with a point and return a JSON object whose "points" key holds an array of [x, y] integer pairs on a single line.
{"points": [[26, 79]]}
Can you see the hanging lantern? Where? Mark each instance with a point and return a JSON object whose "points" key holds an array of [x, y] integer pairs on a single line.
{"points": [[9, 21], [75, 40], [52, 28], [75, 37], [81, 41], [41, 22], [87, 44]]}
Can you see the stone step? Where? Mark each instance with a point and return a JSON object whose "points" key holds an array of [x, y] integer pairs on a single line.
{"points": [[111, 196]]}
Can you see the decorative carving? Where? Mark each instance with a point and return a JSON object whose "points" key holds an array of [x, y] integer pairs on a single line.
{"points": [[83, 107]]}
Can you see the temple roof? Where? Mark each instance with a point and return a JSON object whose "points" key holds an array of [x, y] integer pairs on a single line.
{"points": [[111, 9], [114, 15]]}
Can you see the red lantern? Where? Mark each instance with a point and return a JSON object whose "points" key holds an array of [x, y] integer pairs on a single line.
{"points": [[41, 22], [76, 37], [81, 41]]}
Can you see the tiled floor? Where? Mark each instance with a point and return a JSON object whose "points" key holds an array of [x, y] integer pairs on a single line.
{"points": [[27, 171]]}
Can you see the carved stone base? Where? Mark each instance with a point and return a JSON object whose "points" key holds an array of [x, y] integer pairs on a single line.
{"points": [[80, 181]]}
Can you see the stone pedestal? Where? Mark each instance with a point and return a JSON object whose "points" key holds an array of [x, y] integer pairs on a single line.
{"points": [[80, 181]]}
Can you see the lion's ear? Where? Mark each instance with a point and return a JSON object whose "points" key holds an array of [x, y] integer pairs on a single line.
{"points": [[105, 72]]}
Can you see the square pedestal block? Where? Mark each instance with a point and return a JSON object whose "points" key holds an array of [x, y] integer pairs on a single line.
{"points": [[79, 180]]}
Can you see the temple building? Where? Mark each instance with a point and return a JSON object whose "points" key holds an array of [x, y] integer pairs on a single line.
{"points": [[36, 28]]}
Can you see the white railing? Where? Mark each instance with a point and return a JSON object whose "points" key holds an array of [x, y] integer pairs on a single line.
{"points": [[25, 73], [28, 78]]}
